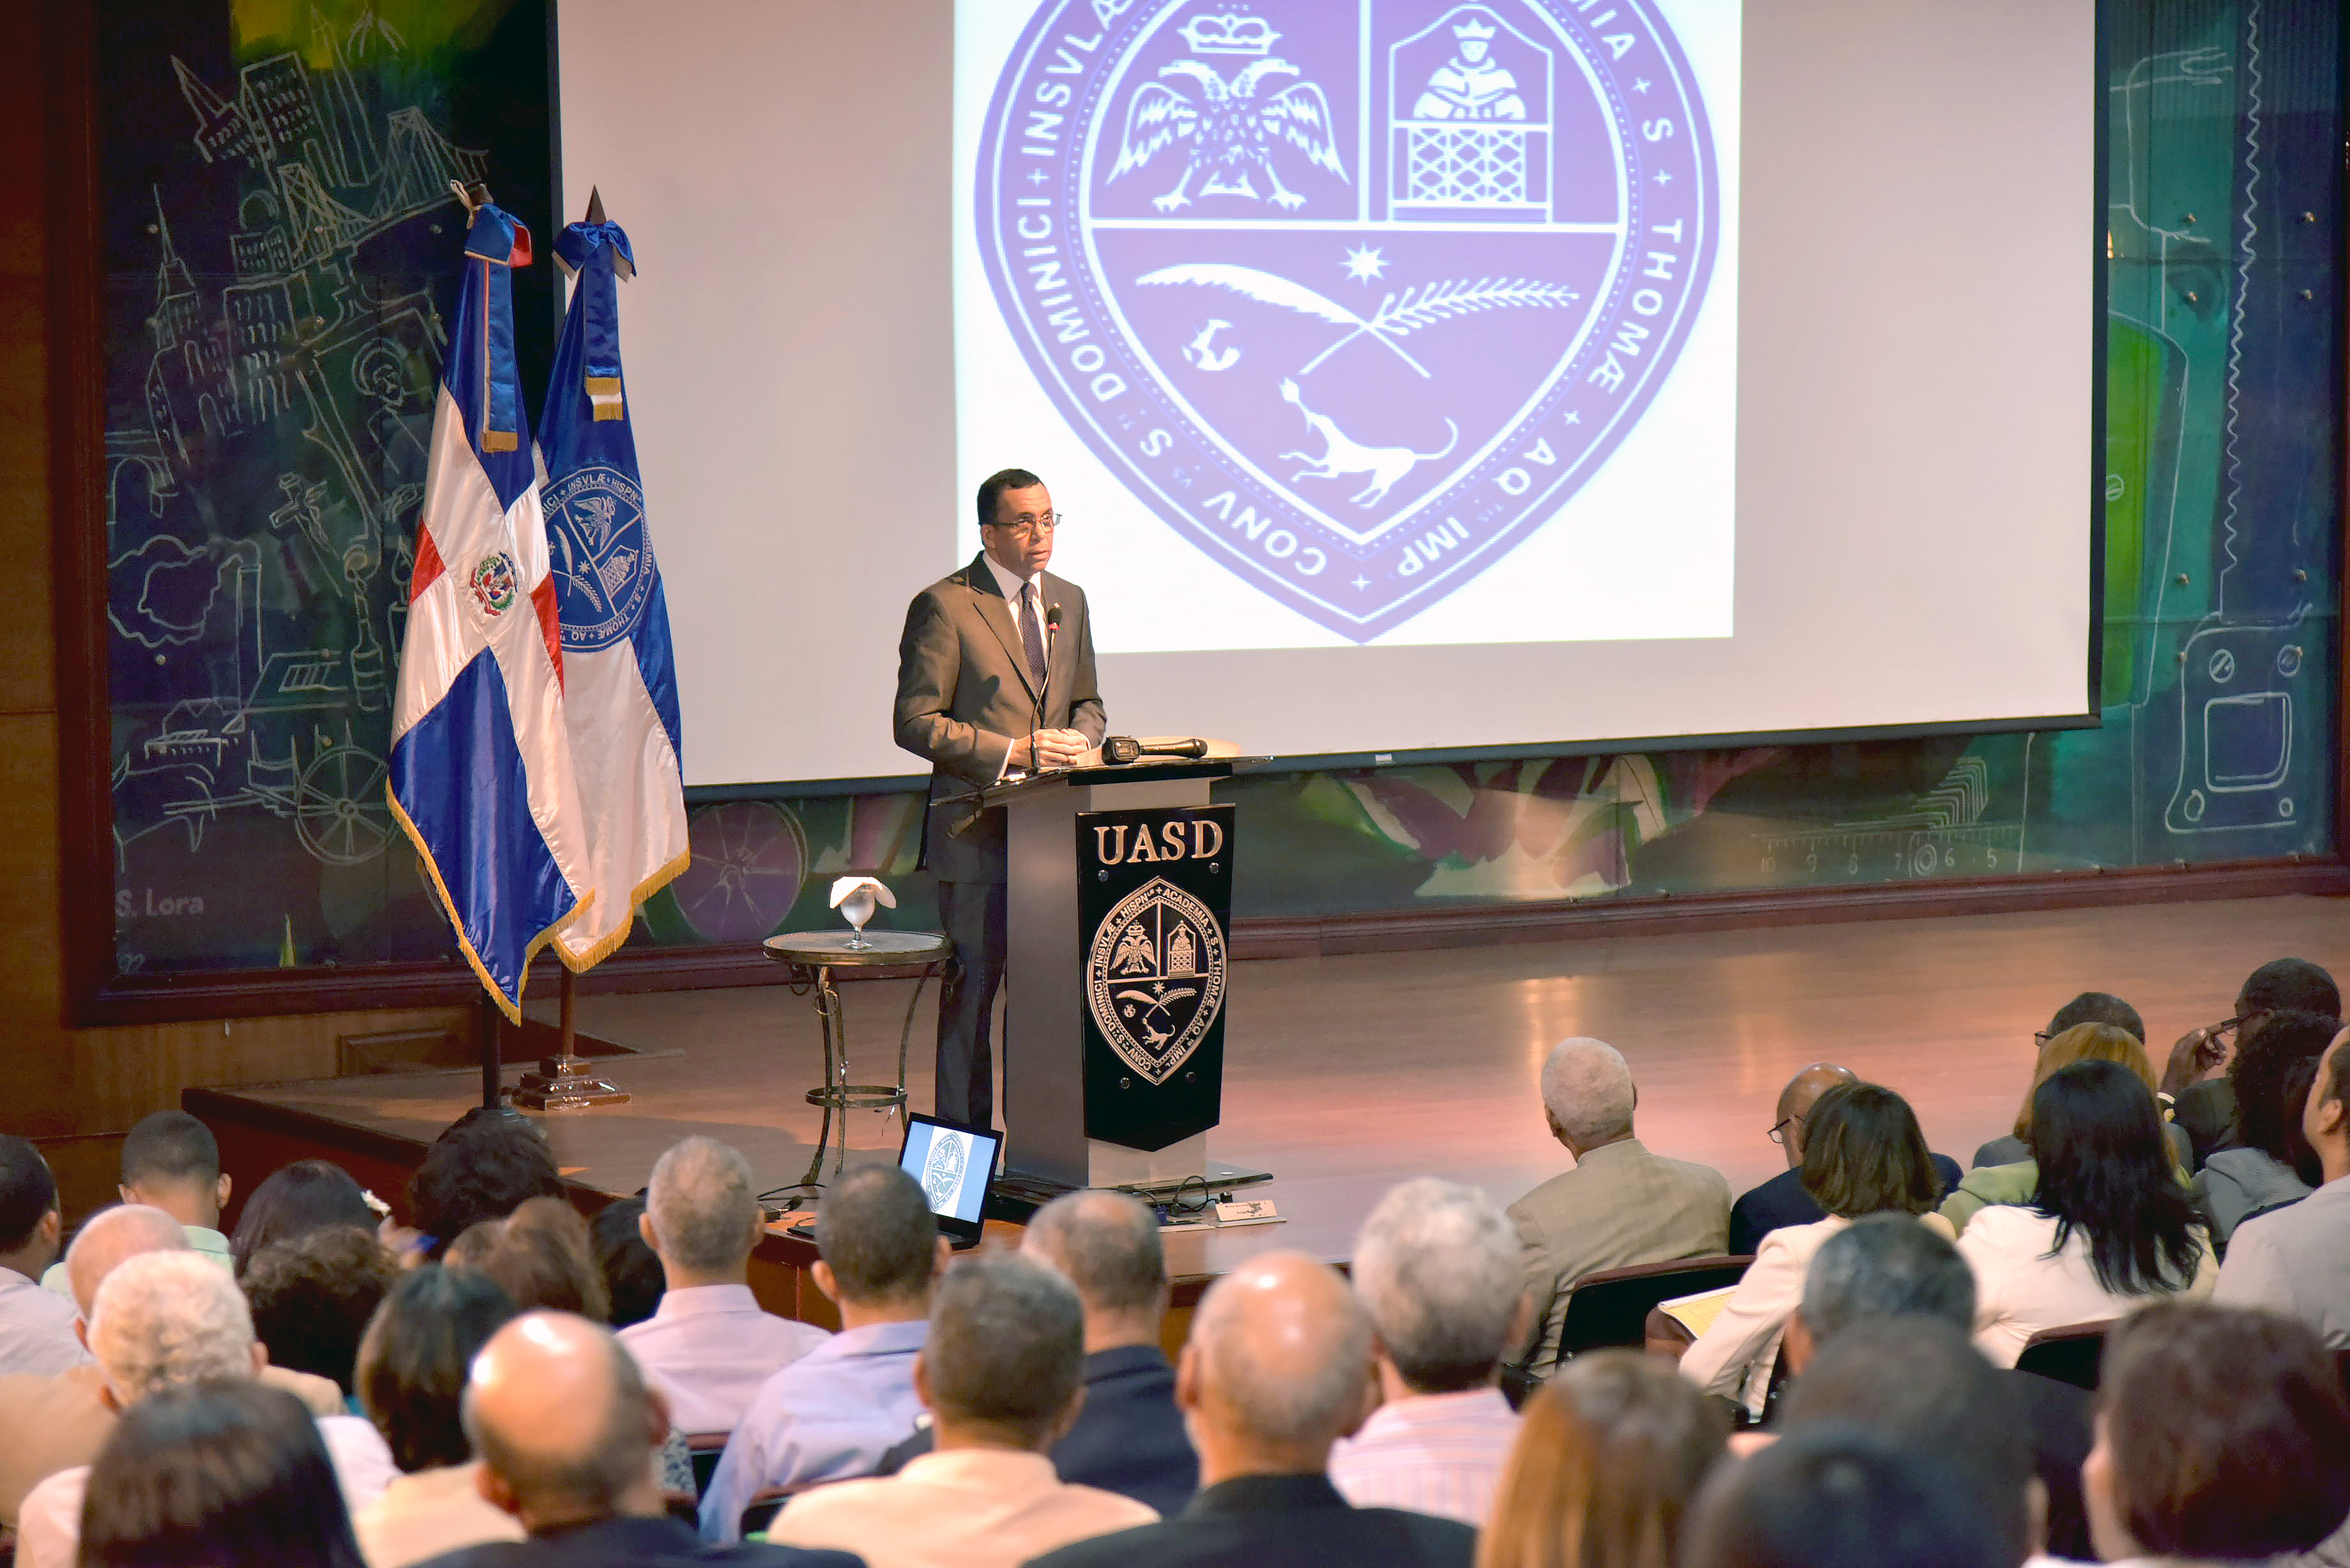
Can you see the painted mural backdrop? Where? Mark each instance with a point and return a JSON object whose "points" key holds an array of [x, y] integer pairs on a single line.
{"points": [[274, 338]]}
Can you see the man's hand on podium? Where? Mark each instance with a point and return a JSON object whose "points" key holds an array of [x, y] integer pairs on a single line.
{"points": [[1054, 749]]}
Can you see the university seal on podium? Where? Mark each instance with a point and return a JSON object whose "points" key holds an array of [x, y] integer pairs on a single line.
{"points": [[1155, 977], [1355, 298]]}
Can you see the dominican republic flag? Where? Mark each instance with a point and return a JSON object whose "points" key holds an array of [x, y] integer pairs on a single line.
{"points": [[619, 679], [480, 760]]}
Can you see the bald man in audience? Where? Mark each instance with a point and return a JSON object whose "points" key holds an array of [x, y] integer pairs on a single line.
{"points": [[567, 1429], [1000, 1378], [1129, 1436], [1621, 1205], [1782, 1200], [36, 1326], [709, 1343], [61, 1422], [161, 1320], [1276, 1370]]}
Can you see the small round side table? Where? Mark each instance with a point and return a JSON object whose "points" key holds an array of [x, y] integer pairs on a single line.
{"points": [[812, 956]]}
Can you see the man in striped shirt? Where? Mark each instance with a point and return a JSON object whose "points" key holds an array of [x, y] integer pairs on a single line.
{"points": [[1437, 1267]]}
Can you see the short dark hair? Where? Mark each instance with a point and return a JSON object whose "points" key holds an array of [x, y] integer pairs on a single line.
{"points": [[312, 1296], [541, 1255], [416, 1357], [995, 484], [2097, 1007], [632, 1271], [2106, 1170], [308, 1195], [483, 1167], [2290, 985], [1835, 1497], [1920, 1383], [1885, 1265], [2274, 1065], [875, 1230], [221, 1474], [171, 1148], [2227, 1429], [1863, 1152], [29, 1192], [1007, 1346]]}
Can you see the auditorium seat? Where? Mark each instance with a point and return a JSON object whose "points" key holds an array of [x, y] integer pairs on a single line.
{"points": [[704, 1448], [2073, 1354]]}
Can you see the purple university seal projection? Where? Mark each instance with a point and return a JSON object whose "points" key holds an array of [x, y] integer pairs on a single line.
{"points": [[1355, 294]]}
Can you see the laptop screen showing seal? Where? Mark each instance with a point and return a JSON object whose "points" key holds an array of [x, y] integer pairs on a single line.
{"points": [[956, 1167]]}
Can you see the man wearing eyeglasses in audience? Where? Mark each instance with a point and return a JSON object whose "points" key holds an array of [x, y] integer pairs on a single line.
{"points": [[2203, 1097], [995, 679], [1782, 1200]]}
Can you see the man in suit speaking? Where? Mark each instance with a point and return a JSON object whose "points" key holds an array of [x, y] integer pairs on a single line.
{"points": [[995, 679]]}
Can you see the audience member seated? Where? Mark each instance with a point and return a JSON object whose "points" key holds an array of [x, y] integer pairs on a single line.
{"points": [[836, 1411], [1610, 1459], [56, 1423], [1881, 1265], [162, 1320], [1276, 1369], [1436, 1265], [2222, 1436], [1619, 1204], [483, 1167], [1002, 1378], [2196, 1076], [2015, 1181], [312, 1296], [1916, 1383], [1128, 1436], [567, 1429], [2108, 1226], [308, 1195], [228, 1474], [411, 1384], [540, 1256], [2270, 1162], [632, 1271], [709, 1345], [2296, 1260], [1862, 1154], [36, 1336], [171, 1161], [1837, 1497], [2089, 1007], [1782, 1200]]}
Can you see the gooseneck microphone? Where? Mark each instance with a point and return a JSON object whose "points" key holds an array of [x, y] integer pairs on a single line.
{"points": [[1036, 708]]}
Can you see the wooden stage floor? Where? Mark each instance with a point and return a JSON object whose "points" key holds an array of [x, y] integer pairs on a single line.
{"points": [[1347, 1074]]}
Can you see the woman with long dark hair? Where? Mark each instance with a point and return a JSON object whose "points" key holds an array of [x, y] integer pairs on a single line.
{"points": [[306, 1195], [2108, 1229], [1862, 1154]]}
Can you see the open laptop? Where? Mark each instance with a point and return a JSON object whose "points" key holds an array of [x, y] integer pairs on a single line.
{"points": [[956, 1167]]}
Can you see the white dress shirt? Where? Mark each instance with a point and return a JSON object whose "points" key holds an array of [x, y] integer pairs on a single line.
{"points": [[2296, 1260], [36, 1328], [711, 1346], [966, 1508], [49, 1529], [1432, 1453], [429, 1512], [2023, 1283]]}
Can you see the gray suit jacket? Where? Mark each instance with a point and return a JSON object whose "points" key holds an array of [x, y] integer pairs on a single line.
{"points": [[1619, 1206], [964, 694]]}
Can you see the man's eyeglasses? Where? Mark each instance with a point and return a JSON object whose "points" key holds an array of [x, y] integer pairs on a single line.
{"points": [[1779, 1133], [1030, 527]]}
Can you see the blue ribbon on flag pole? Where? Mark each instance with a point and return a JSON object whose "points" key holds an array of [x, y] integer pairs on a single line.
{"points": [[496, 244]]}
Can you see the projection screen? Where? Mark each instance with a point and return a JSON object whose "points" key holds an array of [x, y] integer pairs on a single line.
{"points": [[1411, 374]]}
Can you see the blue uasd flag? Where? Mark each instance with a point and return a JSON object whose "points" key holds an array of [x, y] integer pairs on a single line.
{"points": [[619, 680]]}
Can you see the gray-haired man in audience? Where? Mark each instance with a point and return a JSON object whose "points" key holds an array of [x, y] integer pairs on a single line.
{"points": [[161, 1320], [1437, 1268], [1619, 1204], [1000, 1379], [708, 1343], [1881, 1265]]}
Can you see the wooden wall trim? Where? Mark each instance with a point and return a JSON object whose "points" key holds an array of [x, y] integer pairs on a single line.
{"points": [[245, 993]]}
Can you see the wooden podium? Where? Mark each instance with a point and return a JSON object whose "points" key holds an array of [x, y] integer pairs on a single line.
{"points": [[1117, 900]]}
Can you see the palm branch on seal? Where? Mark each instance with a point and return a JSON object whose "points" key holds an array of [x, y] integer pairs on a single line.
{"points": [[1398, 315]]}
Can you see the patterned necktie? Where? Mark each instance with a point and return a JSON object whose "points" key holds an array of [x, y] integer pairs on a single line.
{"points": [[1032, 633]]}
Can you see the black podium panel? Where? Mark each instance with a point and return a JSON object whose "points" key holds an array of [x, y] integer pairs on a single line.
{"points": [[1154, 907]]}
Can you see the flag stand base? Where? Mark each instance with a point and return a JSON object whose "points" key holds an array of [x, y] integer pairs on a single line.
{"points": [[564, 1082]]}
